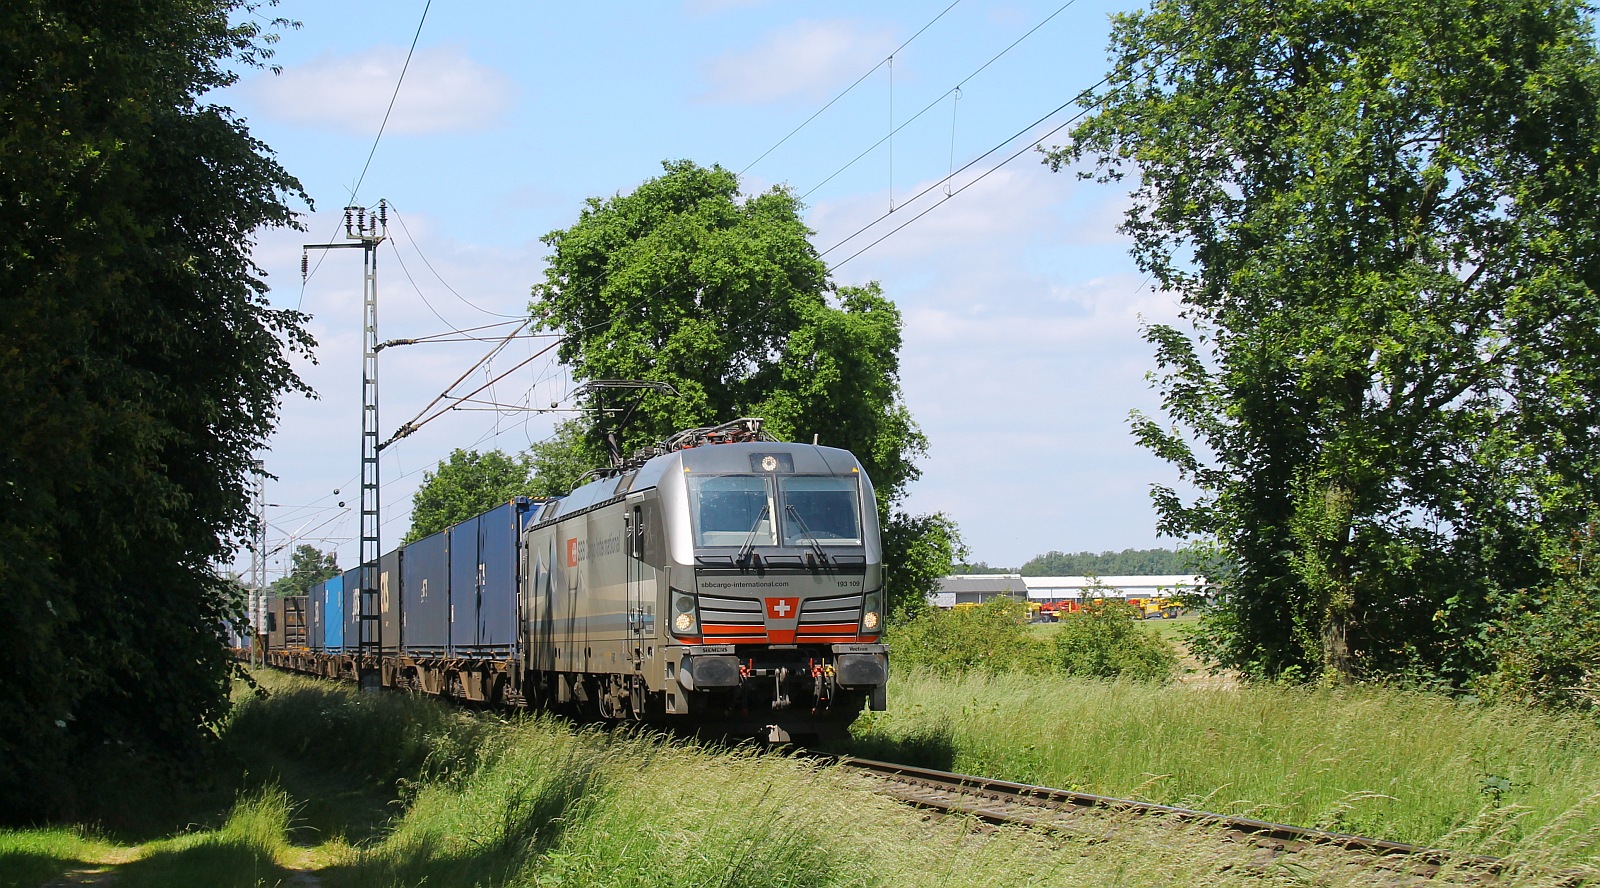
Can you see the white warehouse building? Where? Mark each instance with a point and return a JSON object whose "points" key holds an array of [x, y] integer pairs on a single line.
{"points": [[978, 588]]}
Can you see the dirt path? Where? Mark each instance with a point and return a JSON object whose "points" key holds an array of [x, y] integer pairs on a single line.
{"points": [[102, 872]]}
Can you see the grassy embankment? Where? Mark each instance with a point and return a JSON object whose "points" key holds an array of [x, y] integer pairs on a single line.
{"points": [[392, 790]]}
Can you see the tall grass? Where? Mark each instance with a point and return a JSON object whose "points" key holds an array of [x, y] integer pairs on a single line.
{"points": [[243, 853], [1407, 766], [555, 808], [32, 856], [452, 799]]}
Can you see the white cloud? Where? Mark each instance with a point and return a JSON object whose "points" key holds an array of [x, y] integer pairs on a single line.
{"points": [[809, 61], [444, 91]]}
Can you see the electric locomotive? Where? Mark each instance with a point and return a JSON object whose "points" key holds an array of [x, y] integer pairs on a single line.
{"points": [[727, 582], [721, 581]]}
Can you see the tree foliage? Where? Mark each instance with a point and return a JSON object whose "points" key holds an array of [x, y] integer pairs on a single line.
{"points": [[1380, 217], [140, 369], [308, 567], [559, 463], [920, 550], [721, 295], [468, 483], [1128, 562], [1546, 642]]}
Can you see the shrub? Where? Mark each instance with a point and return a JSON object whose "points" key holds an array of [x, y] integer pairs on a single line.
{"points": [[990, 638], [1546, 645], [1104, 641]]}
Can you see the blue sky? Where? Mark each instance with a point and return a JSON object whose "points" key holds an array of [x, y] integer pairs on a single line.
{"points": [[1022, 355]]}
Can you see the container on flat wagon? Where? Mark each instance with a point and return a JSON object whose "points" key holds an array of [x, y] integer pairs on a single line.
{"points": [[425, 596], [294, 622], [499, 535], [275, 622], [352, 610], [464, 581], [391, 607], [316, 606], [333, 614]]}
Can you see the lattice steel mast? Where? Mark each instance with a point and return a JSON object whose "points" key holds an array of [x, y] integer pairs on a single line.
{"points": [[367, 232]]}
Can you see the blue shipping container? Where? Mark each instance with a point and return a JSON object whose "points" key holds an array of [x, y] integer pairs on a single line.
{"points": [[499, 533], [464, 575], [333, 615], [425, 595]]}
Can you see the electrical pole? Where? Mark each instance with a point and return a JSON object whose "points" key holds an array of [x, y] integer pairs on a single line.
{"points": [[258, 568], [366, 232]]}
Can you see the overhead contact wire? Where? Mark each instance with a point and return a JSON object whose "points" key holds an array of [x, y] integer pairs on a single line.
{"points": [[847, 89], [379, 137], [926, 108]]}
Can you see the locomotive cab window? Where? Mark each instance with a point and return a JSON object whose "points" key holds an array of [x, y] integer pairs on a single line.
{"points": [[732, 510], [820, 508]]}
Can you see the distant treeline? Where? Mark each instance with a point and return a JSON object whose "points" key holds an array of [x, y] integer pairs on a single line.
{"points": [[1127, 563]]}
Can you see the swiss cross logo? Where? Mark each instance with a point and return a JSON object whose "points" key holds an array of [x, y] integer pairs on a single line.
{"points": [[572, 552], [782, 608]]}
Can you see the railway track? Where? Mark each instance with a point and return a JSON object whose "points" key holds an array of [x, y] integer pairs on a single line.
{"points": [[1267, 844]]}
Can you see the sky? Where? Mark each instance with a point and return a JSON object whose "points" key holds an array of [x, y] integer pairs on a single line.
{"points": [[1022, 354]]}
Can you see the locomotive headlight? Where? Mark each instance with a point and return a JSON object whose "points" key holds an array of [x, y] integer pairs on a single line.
{"points": [[683, 616], [872, 611]]}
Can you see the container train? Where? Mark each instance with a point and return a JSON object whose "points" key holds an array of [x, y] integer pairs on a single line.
{"points": [[722, 582]]}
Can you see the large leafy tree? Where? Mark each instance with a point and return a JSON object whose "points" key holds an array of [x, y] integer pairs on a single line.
{"points": [[140, 368], [468, 483], [1380, 217], [721, 295]]}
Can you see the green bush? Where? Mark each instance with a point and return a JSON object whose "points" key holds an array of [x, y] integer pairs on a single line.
{"points": [[991, 638], [1103, 640], [1546, 644]]}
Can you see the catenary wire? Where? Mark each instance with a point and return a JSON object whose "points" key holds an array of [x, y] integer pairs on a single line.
{"points": [[376, 139], [401, 219], [847, 89], [940, 99], [1082, 97]]}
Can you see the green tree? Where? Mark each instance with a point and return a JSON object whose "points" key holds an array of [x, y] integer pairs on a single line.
{"points": [[308, 567], [140, 368], [920, 550], [469, 483], [686, 281], [560, 462], [1380, 219], [1128, 562]]}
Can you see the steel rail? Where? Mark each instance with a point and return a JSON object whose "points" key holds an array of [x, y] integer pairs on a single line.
{"points": [[1005, 802]]}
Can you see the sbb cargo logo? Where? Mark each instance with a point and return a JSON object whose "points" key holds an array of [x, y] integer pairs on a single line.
{"points": [[782, 608], [572, 552]]}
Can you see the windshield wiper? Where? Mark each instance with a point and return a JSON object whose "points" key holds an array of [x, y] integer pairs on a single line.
{"points": [[810, 537], [748, 549]]}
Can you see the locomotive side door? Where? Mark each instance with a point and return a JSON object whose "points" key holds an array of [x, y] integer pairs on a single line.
{"points": [[633, 534]]}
